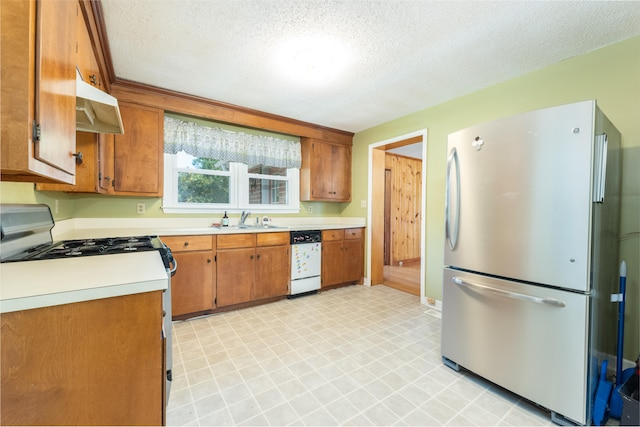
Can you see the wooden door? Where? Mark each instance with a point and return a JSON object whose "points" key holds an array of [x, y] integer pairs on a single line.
{"points": [[235, 275], [56, 83], [272, 272], [138, 152], [387, 217], [192, 286]]}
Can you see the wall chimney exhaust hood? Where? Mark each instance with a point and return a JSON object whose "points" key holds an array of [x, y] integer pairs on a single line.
{"points": [[96, 111]]}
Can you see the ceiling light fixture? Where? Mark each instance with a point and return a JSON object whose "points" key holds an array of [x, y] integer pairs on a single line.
{"points": [[315, 61]]}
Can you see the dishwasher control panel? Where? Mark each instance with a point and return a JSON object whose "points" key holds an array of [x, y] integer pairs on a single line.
{"points": [[307, 236]]}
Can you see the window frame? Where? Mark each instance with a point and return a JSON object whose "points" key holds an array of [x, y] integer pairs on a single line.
{"points": [[238, 199]]}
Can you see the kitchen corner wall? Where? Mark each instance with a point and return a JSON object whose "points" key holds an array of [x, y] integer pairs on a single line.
{"points": [[610, 75]]}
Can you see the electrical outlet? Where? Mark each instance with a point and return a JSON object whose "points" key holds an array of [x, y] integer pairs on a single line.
{"points": [[363, 203], [309, 209], [141, 208]]}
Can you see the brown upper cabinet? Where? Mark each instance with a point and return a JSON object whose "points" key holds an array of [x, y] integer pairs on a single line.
{"points": [[88, 177], [124, 165], [325, 174], [38, 56], [86, 61], [138, 153]]}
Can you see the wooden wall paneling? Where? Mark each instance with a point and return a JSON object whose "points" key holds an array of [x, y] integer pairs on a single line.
{"points": [[406, 184]]}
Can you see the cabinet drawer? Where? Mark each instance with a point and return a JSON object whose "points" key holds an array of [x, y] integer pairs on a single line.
{"points": [[228, 241], [188, 243], [272, 239], [328, 235], [353, 233]]}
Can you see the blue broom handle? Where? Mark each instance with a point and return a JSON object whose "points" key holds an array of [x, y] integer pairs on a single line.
{"points": [[623, 289]]}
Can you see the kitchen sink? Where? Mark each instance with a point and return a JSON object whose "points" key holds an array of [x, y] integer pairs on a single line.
{"points": [[249, 227]]}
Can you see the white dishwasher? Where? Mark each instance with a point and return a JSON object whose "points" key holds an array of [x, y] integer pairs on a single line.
{"points": [[306, 252]]}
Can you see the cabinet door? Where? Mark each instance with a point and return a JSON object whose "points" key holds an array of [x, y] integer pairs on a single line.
{"points": [[192, 287], [353, 260], [84, 363], [105, 162], [138, 152], [321, 171], [332, 262], [56, 83], [235, 275], [86, 58], [341, 173], [86, 172], [272, 272]]}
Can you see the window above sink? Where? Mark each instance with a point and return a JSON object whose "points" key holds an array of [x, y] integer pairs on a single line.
{"points": [[202, 173]]}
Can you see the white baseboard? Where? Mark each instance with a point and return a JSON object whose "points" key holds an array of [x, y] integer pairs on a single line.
{"points": [[432, 303], [434, 307]]}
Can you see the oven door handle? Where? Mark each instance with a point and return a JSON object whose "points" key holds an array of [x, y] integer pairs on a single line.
{"points": [[174, 267]]}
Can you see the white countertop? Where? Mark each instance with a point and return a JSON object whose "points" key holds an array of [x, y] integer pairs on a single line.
{"points": [[82, 228], [34, 284]]}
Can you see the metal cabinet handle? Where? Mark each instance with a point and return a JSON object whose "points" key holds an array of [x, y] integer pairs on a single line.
{"points": [[78, 157], [452, 234], [515, 295]]}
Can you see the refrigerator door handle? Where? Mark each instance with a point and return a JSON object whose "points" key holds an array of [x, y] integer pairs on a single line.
{"points": [[515, 295], [452, 234], [599, 167]]}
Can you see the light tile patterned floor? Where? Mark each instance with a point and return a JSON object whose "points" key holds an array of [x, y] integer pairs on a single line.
{"points": [[351, 356]]}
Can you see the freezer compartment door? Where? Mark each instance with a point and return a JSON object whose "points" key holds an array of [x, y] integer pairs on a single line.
{"points": [[530, 340], [518, 196]]}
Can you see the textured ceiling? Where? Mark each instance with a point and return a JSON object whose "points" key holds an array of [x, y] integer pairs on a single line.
{"points": [[398, 56]]}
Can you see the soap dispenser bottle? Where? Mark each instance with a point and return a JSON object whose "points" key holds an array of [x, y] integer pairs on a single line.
{"points": [[225, 220]]}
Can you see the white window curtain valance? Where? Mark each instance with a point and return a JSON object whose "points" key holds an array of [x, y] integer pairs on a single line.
{"points": [[215, 143]]}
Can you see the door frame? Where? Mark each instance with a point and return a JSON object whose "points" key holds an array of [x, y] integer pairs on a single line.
{"points": [[375, 208]]}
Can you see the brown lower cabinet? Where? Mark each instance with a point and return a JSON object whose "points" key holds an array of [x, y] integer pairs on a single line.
{"points": [[96, 362], [224, 270], [342, 256], [252, 267], [193, 287]]}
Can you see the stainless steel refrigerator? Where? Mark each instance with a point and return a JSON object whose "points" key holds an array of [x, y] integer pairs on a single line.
{"points": [[531, 253]]}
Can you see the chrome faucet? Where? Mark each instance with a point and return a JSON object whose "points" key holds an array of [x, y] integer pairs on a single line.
{"points": [[243, 217]]}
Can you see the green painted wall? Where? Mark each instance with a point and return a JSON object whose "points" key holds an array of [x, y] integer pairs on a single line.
{"points": [[610, 75]]}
